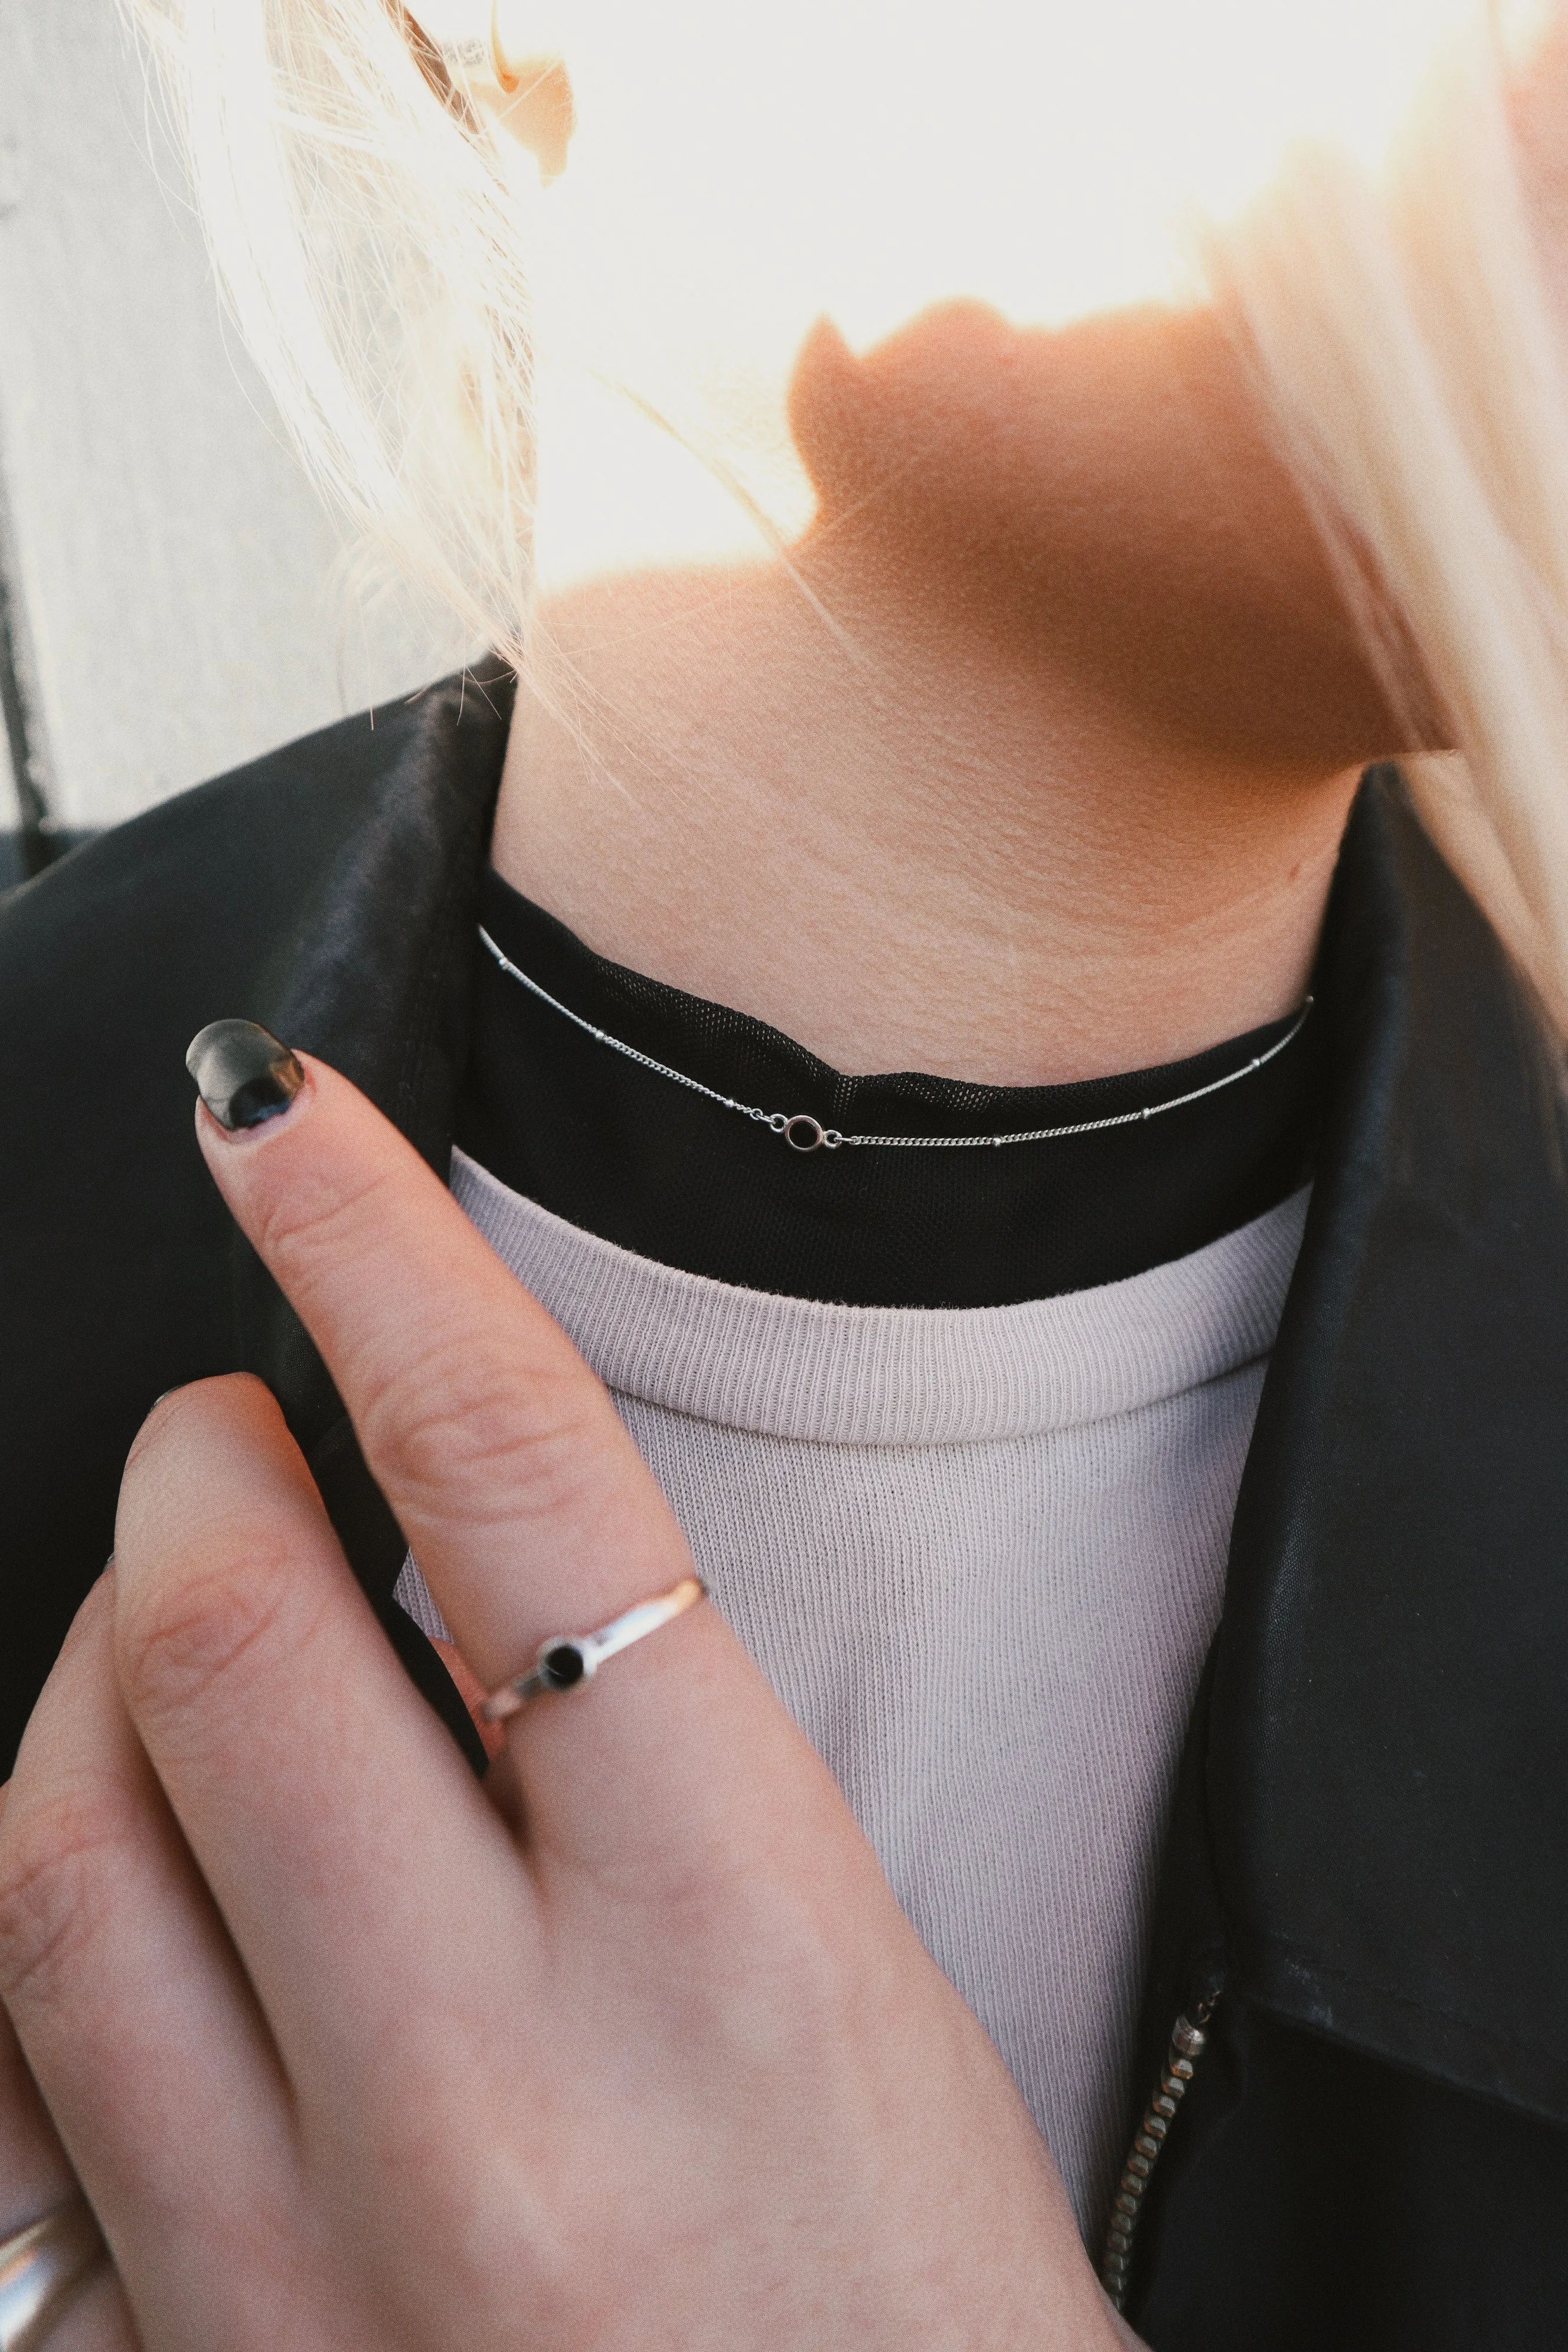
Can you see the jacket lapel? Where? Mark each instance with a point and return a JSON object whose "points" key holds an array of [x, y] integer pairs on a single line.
{"points": [[1387, 1759]]}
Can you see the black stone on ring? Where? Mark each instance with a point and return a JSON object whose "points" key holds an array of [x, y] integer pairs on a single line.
{"points": [[562, 1666], [566, 1661]]}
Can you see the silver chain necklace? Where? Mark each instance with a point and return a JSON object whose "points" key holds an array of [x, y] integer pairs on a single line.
{"points": [[806, 1134]]}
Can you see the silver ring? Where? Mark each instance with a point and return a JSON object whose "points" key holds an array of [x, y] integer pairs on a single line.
{"points": [[41, 2268], [568, 1660]]}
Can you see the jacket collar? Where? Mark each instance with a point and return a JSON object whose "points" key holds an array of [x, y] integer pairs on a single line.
{"points": [[1387, 1746]]}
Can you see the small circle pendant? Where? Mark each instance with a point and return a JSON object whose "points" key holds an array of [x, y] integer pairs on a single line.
{"points": [[804, 1134]]}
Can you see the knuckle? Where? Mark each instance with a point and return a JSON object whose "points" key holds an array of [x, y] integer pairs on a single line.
{"points": [[471, 1426], [53, 1876], [773, 1982], [175, 1645]]}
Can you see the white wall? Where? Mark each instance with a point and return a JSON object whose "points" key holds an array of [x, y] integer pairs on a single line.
{"points": [[175, 570]]}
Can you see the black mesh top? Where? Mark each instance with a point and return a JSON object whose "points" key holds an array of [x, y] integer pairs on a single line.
{"points": [[639, 1160]]}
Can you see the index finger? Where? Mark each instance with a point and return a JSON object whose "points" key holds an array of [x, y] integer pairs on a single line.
{"points": [[524, 1499]]}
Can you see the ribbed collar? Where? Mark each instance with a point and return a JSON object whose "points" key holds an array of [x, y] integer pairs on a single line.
{"points": [[893, 1375]]}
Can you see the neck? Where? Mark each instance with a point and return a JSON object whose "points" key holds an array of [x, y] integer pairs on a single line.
{"points": [[909, 846]]}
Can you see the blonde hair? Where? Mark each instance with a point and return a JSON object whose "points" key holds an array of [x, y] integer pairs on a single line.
{"points": [[371, 240], [371, 234], [1405, 343]]}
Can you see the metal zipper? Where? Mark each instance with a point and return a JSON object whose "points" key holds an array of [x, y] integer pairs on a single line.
{"points": [[1188, 2042]]}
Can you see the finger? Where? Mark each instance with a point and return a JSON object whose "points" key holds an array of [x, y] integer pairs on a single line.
{"points": [[332, 1816], [35, 2171], [479, 1418], [134, 2017], [36, 2177], [527, 1505]]}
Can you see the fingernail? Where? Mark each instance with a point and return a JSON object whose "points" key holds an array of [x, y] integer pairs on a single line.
{"points": [[242, 1073]]}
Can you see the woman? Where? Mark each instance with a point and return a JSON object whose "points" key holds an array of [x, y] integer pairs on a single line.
{"points": [[1206, 1727]]}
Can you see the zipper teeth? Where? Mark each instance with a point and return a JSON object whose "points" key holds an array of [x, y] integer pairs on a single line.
{"points": [[1188, 2042]]}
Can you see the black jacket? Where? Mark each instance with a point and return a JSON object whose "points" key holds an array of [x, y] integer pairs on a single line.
{"points": [[1367, 1875]]}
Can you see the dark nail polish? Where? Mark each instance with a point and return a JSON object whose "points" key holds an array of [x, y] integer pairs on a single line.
{"points": [[242, 1073]]}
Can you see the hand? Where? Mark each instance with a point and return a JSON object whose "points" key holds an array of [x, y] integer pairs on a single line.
{"points": [[639, 2051]]}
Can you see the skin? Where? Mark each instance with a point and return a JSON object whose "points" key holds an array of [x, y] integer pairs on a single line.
{"points": [[632, 2046], [1062, 797]]}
